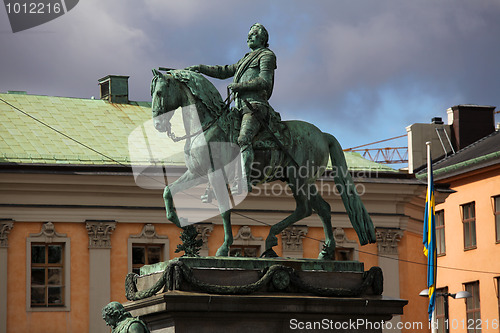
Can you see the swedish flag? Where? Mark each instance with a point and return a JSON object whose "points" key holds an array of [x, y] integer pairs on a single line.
{"points": [[429, 236]]}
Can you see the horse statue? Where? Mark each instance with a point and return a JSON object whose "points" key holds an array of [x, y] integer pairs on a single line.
{"points": [[205, 121]]}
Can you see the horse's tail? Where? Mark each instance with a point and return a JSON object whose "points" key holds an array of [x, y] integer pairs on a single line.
{"points": [[356, 211]]}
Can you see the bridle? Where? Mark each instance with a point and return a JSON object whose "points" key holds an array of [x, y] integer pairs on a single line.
{"points": [[227, 102]]}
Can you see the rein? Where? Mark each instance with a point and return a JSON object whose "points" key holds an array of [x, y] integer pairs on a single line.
{"points": [[171, 135], [230, 97], [174, 138]]}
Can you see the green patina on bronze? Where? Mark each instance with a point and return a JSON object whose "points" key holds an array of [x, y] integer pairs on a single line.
{"points": [[308, 148], [302, 264], [115, 315], [274, 275]]}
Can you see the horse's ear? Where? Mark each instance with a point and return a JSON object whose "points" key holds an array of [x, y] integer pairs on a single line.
{"points": [[156, 72]]}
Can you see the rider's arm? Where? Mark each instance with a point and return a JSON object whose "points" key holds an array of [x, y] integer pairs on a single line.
{"points": [[218, 72]]}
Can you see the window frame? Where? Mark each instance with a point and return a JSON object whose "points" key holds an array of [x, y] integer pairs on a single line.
{"points": [[48, 236], [440, 318], [497, 280], [46, 266], [440, 232], [148, 235], [496, 218], [468, 223], [244, 237], [476, 312]]}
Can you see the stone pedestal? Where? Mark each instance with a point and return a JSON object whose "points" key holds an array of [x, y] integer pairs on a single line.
{"points": [[180, 312], [270, 295]]}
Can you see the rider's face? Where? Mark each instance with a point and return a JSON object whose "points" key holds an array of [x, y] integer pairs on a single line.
{"points": [[255, 39]]}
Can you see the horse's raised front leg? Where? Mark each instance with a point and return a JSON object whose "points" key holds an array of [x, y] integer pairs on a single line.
{"points": [[218, 182], [303, 210], [187, 180]]}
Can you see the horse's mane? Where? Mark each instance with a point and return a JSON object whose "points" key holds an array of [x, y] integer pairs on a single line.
{"points": [[201, 88]]}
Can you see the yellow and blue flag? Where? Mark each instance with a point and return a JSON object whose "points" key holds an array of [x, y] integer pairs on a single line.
{"points": [[429, 237]]}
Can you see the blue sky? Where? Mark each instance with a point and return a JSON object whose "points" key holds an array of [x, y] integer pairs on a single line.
{"points": [[362, 70]]}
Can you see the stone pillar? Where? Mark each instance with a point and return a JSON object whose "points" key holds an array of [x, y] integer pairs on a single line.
{"points": [[388, 261], [292, 241], [5, 228], [100, 272]]}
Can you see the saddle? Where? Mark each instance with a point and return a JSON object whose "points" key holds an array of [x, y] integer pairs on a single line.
{"points": [[272, 130]]}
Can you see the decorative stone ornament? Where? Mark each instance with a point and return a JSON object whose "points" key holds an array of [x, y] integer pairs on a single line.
{"points": [[387, 240], [5, 228], [49, 232], [100, 233]]}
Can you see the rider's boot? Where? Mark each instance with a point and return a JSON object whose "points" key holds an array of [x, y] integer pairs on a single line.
{"points": [[249, 128], [247, 161], [236, 187]]}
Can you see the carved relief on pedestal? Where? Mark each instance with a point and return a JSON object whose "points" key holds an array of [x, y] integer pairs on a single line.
{"points": [[292, 241], [387, 240], [100, 233]]}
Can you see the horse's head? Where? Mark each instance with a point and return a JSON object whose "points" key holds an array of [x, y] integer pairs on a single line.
{"points": [[166, 96]]}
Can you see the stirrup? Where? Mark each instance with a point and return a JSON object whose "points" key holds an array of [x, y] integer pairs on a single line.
{"points": [[208, 196], [236, 188]]}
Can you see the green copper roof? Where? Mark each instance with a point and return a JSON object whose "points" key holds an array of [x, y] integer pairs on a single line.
{"points": [[103, 126], [117, 134]]}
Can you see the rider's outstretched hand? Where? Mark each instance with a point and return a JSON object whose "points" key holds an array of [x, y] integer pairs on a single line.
{"points": [[195, 68]]}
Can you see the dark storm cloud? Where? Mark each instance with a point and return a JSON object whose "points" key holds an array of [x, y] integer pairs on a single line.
{"points": [[362, 70]]}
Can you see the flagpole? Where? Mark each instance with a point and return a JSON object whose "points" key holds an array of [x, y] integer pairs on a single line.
{"points": [[434, 325], [429, 177], [429, 163]]}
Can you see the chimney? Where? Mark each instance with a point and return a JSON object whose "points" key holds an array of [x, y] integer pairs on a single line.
{"points": [[437, 133], [114, 88], [470, 123]]}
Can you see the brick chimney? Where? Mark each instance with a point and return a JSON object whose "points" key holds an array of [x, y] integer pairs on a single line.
{"points": [[470, 123], [114, 88]]}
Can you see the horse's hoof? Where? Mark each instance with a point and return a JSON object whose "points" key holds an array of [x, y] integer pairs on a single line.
{"points": [[222, 252], [324, 255], [269, 253]]}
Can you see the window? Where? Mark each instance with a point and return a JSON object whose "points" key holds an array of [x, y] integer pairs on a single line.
{"points": [[440, 240], [440, 310], [473, 307], [245, 244], [145, 254], [47, 278], [496, 203], [146, 248], [48, 274], [469, 222], [244, 251], [498, 294]]}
